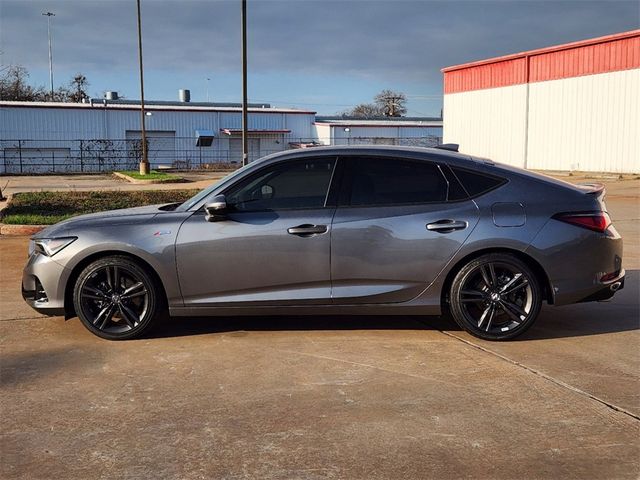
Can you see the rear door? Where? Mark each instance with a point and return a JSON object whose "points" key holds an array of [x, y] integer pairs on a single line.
{"points": [[395, 229]]}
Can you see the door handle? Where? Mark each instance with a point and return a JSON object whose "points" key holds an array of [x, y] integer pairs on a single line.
{"points": [[447, 226], [307, 230]]}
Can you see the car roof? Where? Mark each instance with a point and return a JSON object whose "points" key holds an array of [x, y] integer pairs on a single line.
{"points": [[381, 150]]}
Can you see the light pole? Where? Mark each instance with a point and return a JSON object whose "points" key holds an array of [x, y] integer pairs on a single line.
{"points": [[49, 15], [208, 89], [245, 146], [144, 164]]}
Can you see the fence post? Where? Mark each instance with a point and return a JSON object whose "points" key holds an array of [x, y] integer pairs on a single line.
{"points": [[81, 159], [20, 153]]}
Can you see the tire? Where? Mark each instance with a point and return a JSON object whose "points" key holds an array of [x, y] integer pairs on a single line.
{"points": [[495, 297], [116, 298]]}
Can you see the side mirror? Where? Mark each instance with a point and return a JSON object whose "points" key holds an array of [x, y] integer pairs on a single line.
{"points": [[217, 209]]}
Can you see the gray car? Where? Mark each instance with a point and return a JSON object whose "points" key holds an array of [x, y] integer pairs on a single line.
{"points": [[338, 230]]}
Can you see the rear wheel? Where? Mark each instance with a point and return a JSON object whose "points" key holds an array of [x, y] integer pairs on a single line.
{"points": [[116, 298], [495, 297]]}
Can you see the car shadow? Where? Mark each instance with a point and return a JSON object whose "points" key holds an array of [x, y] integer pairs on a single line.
{"points": [[621, 314], [186, 326]]}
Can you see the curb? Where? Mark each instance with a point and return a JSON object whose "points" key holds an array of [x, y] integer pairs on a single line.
{"points": [[20, 230], [146, 182]]}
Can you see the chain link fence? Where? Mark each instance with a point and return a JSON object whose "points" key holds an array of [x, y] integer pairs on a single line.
{"points": [[30, 157]]}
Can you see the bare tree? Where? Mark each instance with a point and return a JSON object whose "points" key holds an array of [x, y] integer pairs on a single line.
{"points": [[392, 104], [386, 104], [364, 110], [77, 90], [14, 86]]}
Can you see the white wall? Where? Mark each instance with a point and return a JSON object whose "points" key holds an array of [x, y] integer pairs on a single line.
{"points": [[589, 123], [488, 123]]}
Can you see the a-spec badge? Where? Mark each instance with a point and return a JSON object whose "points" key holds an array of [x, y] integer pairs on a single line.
{"points": [[162, 232]]}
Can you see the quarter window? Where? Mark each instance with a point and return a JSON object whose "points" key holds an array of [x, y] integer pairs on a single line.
{"points": [[390, 181], [476, 183], [290, 185]]}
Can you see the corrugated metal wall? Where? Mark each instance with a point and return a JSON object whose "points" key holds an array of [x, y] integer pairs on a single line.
{"points": [[589, 123], [112, 123], [488, 123], [570, 107]]}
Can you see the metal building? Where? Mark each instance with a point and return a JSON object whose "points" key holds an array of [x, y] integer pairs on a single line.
{"points": [[568, 107], [416, 131], [105, 134]]}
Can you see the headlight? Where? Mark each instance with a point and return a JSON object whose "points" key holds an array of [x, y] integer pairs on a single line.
{"points": [[50, 246]]}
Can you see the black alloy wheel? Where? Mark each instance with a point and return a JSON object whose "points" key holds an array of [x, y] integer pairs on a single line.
{"points": [[115, 298], [495, 297]]}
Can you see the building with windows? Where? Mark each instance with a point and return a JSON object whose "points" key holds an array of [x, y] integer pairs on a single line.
{"points": [[567, 107], [414, 131], [105, 134]]}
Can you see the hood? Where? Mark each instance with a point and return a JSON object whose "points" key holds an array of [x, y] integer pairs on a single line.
{"points": [[125, 216]]}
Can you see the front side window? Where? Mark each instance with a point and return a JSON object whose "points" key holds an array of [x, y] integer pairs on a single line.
{"points": [[289, 185], [391, 181]]}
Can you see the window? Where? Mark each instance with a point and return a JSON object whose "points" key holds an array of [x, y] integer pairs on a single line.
{"points": [[476, 183], [296, 184], [389, 181]]}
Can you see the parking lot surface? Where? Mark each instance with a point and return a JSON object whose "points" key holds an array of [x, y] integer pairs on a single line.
{"points": [[325, 397]]}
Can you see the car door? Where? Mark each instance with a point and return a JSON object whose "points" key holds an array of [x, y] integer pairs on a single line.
{"points": [[395, 229], [271, 248]]}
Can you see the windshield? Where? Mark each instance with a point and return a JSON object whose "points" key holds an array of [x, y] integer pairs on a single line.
{"points": [[207, 191]]}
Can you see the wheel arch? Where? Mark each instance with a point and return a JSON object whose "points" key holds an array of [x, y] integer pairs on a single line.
{"points": [[531, 262], [81, 265]]}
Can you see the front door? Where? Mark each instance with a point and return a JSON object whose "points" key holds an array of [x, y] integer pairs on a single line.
{"points": [[272, 248], [394, 230]]}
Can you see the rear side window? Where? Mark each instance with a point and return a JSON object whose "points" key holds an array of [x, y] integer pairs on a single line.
{"points": [[390, 181], [477, 183]]}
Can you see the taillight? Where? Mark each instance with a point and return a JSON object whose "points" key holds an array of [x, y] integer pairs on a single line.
{"points": [[596, 221]]}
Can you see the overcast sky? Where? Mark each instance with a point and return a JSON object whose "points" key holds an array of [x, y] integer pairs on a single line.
{"points": [[319, 55]]}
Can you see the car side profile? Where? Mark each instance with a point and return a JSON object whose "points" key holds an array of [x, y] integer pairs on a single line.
{"points": [[338, 230]]}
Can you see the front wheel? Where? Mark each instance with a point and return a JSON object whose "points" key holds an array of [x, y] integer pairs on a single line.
{"points": [[495, 297], [116, 298]]}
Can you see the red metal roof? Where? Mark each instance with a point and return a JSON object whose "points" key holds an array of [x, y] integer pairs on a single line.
{"points": [[587, 57]]}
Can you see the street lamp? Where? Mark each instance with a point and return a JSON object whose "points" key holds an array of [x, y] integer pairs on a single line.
{"points": [[245, 141], [49, 15], [144, 164]]}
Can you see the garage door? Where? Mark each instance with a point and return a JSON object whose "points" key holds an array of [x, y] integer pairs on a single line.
{"points": [[235, 149], [161, 145]]}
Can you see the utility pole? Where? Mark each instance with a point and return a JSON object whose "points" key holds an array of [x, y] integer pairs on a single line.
{"points": [[245, 146], [144, 164], [49, 15]]}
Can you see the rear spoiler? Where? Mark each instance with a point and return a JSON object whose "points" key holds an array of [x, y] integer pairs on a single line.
{"points": [[596, 189]]}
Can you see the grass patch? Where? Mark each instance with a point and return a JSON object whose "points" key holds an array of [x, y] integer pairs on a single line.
{"points": [[47, 208], [152, 175]]}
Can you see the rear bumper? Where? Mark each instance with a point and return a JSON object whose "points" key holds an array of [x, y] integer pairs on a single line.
{"points": [[608, 289], [581, 265]]}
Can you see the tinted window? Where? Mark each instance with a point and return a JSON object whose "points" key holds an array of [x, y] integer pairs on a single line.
{"points": [[476, 183], [388, 181], [296, 184]]}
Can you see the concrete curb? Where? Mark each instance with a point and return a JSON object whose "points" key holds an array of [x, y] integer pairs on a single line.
{"points": [[20, 230], [146, 182]]}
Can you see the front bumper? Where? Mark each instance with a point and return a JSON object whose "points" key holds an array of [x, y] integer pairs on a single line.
{"points": [[43, 281]]}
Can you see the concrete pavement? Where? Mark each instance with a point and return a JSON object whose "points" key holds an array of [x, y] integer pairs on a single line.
{"points": [[327, 397]]}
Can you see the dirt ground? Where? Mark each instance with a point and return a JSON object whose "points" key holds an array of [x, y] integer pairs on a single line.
{"points": [[328, 397]]}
